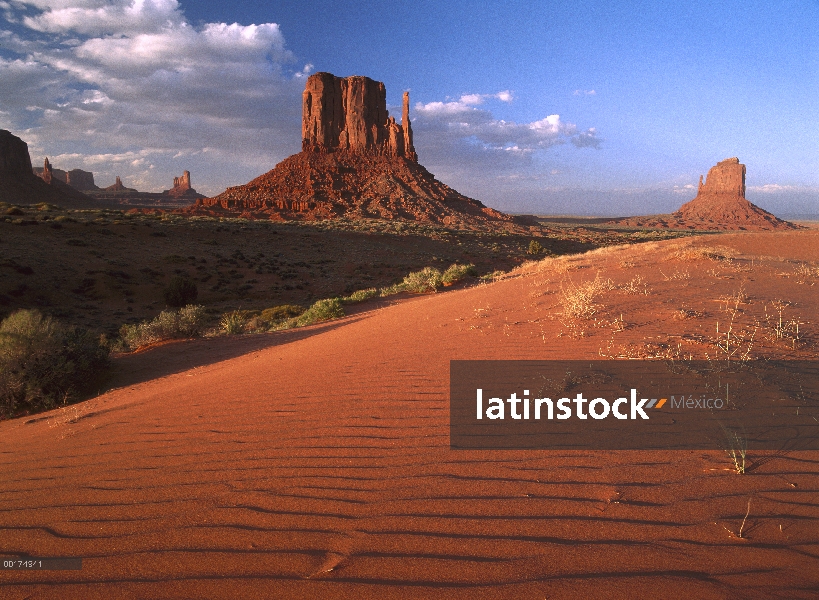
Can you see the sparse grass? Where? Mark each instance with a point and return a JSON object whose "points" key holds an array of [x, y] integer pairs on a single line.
{"points": [[779, 327], [737, 448], [677, 275], [715, 253], [169, 324], [578, 299], [635, 286], [683, 313], [233, 322]]}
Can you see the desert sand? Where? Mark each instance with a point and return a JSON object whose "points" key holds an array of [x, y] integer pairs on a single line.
{"points": [[315, 463]]}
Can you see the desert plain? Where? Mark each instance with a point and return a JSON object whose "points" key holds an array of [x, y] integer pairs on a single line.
{"points": [[315, 462]]}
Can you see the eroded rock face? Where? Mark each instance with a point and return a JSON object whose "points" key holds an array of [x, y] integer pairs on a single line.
{"points": [[726, 177], [350, 114], [14, 157], [182, 187], [80, 180]]}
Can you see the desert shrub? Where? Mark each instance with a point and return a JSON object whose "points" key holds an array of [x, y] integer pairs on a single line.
{"points": [[236, 321], [322, 310], [457, 272], [44, 363], [187, 322], [181, 291], [14, 211], [279, 313], [578, 299], [534, 247], [360, 296], [427, 279], [392, 289]]}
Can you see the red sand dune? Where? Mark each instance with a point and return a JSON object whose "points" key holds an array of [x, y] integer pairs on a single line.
{"points": [[315, 463]]}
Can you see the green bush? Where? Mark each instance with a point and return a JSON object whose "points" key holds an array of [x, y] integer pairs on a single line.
{"points": [[457, 272], [279, 313], [170, 324], [360, 296], [534, 247], [322, 310], [427, 279], [181, 291], [44, 363]]}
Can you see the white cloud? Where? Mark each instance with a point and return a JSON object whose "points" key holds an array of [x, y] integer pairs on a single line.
{"points": [[585, 93], [774, 188], [460, 120], [109, 78]]}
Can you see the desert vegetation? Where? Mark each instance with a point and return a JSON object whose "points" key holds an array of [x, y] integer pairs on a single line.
{"points": [[44, 363]]}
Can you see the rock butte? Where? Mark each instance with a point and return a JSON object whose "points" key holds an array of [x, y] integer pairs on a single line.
{"points": [[720, 205], [356, 162]]}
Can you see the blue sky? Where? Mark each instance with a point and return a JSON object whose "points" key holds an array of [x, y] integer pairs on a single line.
{"points": [[546, 107]]}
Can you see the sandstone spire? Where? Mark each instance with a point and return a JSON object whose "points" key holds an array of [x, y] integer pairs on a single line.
{"points": [[409, 149], [349, 114], [48, 174]]}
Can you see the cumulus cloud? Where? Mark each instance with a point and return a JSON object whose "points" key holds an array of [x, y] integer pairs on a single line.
{"points": [[461, 121], [92, 80]]}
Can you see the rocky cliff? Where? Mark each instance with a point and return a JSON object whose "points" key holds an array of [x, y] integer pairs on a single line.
{"points": [[19, 184], [350, 114], [356, 162]]}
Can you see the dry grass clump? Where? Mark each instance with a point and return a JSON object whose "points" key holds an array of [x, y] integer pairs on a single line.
{"points": [[778, 327], [806, 273], [677, 275], [682, 313], [635, 286], [715, 253], [578, 300]]}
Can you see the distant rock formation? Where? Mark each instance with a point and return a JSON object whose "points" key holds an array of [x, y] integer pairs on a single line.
{"points": [[356, 162], [80, 180], [118, 187], [182, 187], [19, 184], [76, 178], [720, 205]]}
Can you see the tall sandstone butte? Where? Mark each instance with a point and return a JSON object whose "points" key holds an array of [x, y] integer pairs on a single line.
{"points": [[356, 162], [721, 202]]}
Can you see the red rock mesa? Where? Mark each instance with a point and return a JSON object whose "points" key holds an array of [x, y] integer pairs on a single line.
{"points": [[356, 162]]}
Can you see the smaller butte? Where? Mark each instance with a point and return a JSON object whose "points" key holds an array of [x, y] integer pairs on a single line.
{"points": [[720, 205]]}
